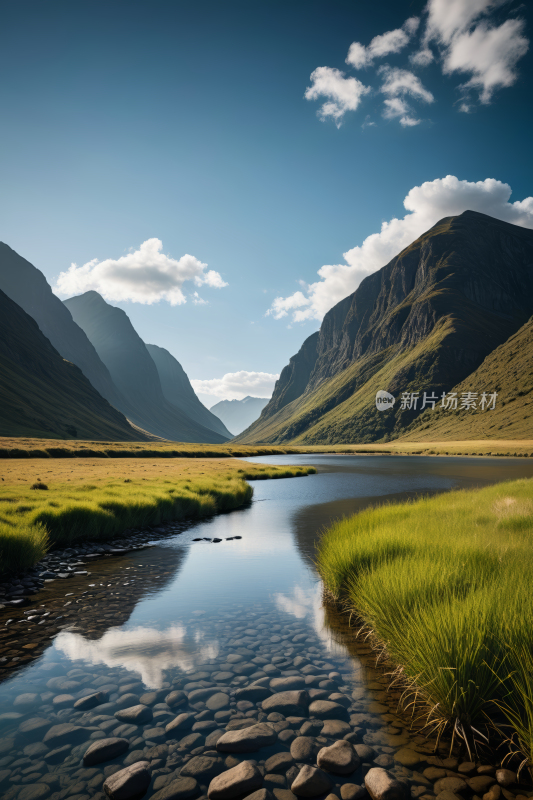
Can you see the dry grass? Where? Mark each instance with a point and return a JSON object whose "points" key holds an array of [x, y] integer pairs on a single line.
{"points": [[13, 448]]}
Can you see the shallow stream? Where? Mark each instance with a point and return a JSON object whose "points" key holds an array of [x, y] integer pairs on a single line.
{"points": [[190, 614]]}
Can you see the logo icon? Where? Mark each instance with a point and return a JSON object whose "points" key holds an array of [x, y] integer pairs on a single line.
{"points": [[384, 400]]}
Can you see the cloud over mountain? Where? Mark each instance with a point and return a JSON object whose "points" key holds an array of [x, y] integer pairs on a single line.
{"points": [[426, 205], [237, 385], [144, 276]]}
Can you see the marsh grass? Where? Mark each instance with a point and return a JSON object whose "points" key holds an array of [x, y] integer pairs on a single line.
{"points": [[443, 583], [31, 522]]}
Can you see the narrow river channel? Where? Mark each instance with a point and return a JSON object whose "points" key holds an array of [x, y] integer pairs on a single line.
{"points": [[194, 622]]}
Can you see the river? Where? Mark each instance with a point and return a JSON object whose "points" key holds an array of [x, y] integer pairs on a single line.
{"points": [[191, 614]]}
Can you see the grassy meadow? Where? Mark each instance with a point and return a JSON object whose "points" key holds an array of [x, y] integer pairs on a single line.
{"points": [[16, 448], [51, 502], [443, 586]]}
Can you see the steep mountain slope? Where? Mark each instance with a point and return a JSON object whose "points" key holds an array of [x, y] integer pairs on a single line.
{"points": [[424, 322], [28, 287], [133, 370], [508, 371], [42, 394], [178, 390], [239, 414]]}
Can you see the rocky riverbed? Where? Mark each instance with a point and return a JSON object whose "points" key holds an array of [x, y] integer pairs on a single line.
{"points": [[269, 713]]}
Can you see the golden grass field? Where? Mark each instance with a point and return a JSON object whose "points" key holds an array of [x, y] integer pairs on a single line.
{"points": [[12, 448]]}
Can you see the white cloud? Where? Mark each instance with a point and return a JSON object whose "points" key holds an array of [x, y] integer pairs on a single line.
{"points": [[145, 276], [426, 205], [397, 83], [488, 52], [344, 94], [237, 385], [383, 45], [422, 57]]}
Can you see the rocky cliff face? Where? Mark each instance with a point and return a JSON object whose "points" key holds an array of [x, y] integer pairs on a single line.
{"points": [[432, 314]]}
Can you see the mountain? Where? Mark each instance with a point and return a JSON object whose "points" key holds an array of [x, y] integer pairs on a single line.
{"points": [[508, 371], [424, 322], [134, 372], [178, 390], [239, 414], [45, 396], [28, 287]]}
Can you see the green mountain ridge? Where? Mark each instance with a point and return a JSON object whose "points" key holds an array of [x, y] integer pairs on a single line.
{"points": [[424, 322], [44, 395]]}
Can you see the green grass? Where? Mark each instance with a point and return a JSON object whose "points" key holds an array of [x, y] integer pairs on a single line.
{"points": [[33, 521], [443, 583]]}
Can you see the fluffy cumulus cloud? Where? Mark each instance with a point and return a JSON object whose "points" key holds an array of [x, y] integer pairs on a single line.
{"points": [[237, 385], [462, 36], [145, 275], [397, 85], [342, 94], [383, 45], [473, 44], [426, 205]]}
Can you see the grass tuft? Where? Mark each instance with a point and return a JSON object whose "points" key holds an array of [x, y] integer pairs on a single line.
{"points": [[443, 584]]}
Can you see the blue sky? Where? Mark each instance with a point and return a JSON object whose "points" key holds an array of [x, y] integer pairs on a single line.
{"points": [[186, 122]]}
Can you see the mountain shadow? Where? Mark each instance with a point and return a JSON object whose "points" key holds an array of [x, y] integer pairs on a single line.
{"points": [[42, 394], [134, 372]]}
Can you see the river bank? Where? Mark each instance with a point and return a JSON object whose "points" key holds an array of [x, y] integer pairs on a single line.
{"points": [[440, 585], [57, 503]]}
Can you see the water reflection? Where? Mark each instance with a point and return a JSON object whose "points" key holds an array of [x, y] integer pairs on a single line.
{"points": [[145, 651]]}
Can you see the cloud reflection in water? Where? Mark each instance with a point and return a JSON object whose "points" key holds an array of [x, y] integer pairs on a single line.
{"points": [[145, 651]]}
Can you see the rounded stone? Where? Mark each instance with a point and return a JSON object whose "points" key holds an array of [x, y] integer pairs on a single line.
{"points": [[279, 762], [335, 728], [183, 722], [407, 757], [133, 781], [340, 758], [325, 709], [104, 750], [382, 785], [290, 704], [218, 701], [505, 777], [247, 740], [203, 768], [304, 748], [63, 701], [66, 734], [136, 715], [175, 699], [243, 779], [365, 752], [287, 684], [91, 701], [34, 728], [310, 782], [454, 785]]}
